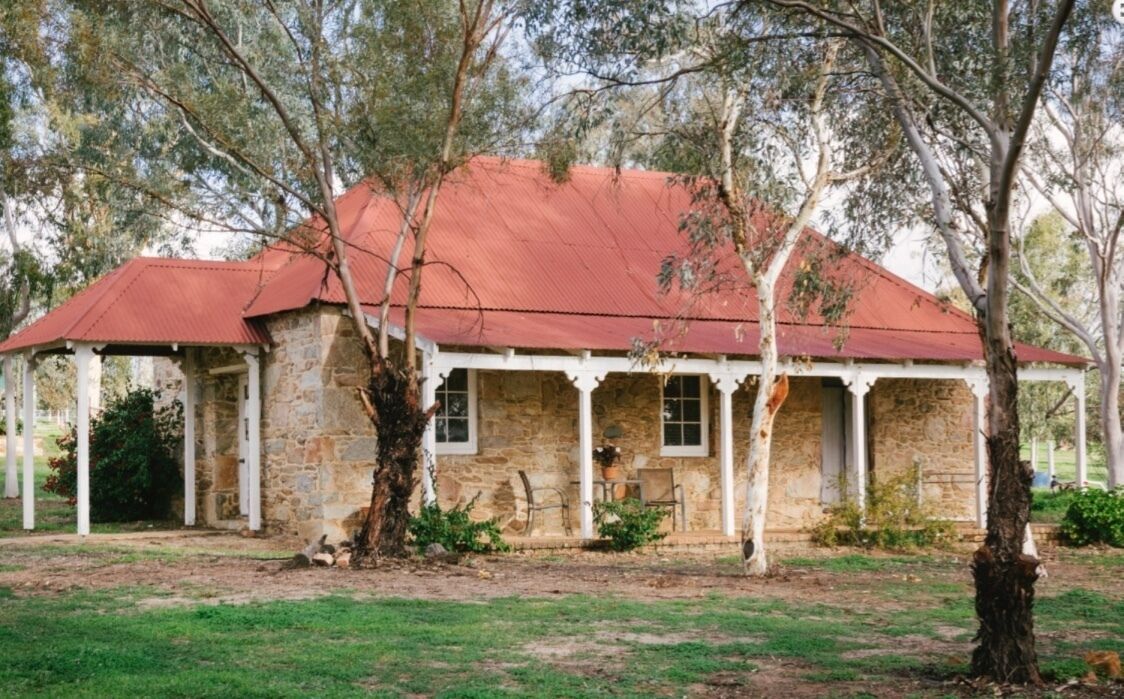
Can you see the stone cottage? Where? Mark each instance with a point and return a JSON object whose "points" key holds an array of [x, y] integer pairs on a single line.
{"points": [[536, 298]]}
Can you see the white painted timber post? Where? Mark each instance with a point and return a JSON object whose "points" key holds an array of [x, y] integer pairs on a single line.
{"points": [[83, 355], [11, 487], [1077, 383], [430, 379], [979, 389], [1050, 458], [726, 385], [29, 441], [95, 384], [188, 367], [253, 410], [585, 381], [1034, 454], [859, 385]]}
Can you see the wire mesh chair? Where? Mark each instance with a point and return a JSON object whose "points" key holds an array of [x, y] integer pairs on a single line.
{"points": [[658, 489], [534, 506]]}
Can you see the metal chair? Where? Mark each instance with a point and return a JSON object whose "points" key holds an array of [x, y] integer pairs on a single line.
{"points": [[533, 507], [658, 489]]}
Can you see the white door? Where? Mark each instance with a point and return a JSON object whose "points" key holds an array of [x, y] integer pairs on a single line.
{"points": [[835, 439], [243, 444]]}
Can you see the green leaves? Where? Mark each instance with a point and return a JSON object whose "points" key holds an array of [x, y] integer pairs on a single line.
{"points": [[628, 524], [134, 473], [1095, 517], [455, 530]]}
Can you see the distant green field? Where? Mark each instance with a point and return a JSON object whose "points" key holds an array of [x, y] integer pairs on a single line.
{"points": [[1065, 463]]}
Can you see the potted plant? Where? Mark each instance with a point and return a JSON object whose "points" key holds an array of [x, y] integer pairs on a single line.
{"points": [[607, 455]]}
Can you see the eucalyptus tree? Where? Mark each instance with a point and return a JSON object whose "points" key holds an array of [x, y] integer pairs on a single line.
{"points": [[964, 81], [65, 219], [1058, 261], [760, 133], [1076, 164], [281, 104]]}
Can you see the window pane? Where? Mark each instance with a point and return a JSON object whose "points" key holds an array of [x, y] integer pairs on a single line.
{"points": [[439, 427], [457, 380], [456, 404], [672, 435], [690, 386], [692, 434], [692, 410], [457, 430], [672, 410]]}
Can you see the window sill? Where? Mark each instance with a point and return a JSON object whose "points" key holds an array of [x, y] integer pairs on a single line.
{"points": [[691, 452]]}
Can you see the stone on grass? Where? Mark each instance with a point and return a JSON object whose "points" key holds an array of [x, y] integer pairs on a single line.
{"points": [[436, 550]]}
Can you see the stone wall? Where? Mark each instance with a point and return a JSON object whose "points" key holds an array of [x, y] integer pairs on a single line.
{"points": [[930, 423], [528, 421], [318, 446], [216, 432]]}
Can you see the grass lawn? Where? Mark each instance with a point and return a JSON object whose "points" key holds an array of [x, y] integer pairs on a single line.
{"points": [[92, 621]]}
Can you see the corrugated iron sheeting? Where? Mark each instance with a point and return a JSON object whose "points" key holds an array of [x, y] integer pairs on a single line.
{"points": [[155, 301]]}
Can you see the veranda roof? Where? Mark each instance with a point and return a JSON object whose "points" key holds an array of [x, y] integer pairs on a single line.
{"points": [[517, 260], [154, 301]]}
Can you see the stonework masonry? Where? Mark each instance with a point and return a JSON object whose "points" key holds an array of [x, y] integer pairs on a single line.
{"points": [[318, 446]]}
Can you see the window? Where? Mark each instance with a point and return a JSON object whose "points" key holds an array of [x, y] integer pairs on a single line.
{"points": [[455, 422], [684, 418]]}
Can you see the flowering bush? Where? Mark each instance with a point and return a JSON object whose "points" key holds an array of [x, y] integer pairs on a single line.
{"points": [[134, 473], [606, 455]]}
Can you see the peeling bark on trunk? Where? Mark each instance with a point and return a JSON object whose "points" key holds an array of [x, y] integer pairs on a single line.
{"points": [[399, 426], [1004, 576], [771, 393]]}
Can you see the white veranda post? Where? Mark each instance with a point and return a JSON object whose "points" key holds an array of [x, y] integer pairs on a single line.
{"points": [[29, 442], [11, 487], [1050, 458], [859, 385], [726, 385], [83, 355], [253, 414], [1077, 384], [188, 367], [979, 389], [430, 379], [585, 381]]}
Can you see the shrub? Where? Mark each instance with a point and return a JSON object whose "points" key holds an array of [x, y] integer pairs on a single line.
{"points": [[4, 426], [134, 472], [628, 524], [1095, 516], [455, 530], [895, 518]]}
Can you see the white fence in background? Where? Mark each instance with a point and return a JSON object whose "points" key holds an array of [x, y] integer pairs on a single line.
{"points": [[59, 418]]}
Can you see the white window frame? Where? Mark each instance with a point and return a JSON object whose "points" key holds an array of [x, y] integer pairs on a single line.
{"points": [[703, 448], [469, 447]]}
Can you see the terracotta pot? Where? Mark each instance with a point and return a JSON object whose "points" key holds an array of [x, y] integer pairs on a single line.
{"points": [[613, 473]]}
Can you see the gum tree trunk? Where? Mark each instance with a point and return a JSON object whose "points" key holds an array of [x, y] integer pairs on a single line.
{"points": [[1004, 576], [771, 393]]}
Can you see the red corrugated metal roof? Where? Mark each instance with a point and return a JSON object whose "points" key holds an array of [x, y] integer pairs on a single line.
{"points": [[155, 301], [539, 264], [572, 261]]}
